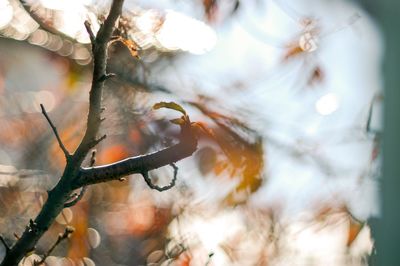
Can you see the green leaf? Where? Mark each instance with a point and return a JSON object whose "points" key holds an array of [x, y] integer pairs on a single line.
{"points": [[170, 105]]}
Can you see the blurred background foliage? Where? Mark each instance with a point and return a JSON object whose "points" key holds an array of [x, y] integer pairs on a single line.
{"points": [[288, 94]]}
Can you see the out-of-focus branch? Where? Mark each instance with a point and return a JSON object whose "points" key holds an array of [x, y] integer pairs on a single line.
{"points": [[28, 9], [100, 54]]}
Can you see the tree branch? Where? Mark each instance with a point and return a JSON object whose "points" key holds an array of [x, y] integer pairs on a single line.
{"points": [[90, 32], [62, 191], [66, 153], [67, 232], [3, 241], [140, 164], [75, 198], [100, 55]]}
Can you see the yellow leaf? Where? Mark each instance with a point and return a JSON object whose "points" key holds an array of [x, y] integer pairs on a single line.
{"points": [[170, 105]]}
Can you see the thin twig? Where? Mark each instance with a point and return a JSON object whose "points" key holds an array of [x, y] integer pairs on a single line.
{"points": [[67, 232], [93, 158], [66, 153], [158, 188], [107, 76], [97, 141], [90, 32], [5, 244]]}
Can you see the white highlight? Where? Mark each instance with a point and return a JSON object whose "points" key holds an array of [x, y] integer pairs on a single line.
{"points": [[185, 33], [6, 12], [327, 104]]}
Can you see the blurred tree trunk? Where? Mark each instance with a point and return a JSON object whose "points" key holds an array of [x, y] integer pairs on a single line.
{"points": [[386, 230]]}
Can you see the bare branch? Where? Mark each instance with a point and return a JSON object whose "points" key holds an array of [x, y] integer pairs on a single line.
{"points": [[97, 141], [100, 55], [90, 32], [67, 232], [62, 191], [138, 165], [66, 153]]}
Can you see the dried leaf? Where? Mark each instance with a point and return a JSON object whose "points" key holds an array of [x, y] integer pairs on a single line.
{"points": [[355, 228], [132, 46], [292, 51]]}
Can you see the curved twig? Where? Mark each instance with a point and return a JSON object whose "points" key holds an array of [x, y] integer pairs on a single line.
{"points": [[158, 188], [67, 232]]}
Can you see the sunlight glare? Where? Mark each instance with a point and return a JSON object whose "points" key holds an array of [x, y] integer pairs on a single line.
{"points": [[46, 98], [6, 11], [327, 104], [182, 32], [72, 23]]}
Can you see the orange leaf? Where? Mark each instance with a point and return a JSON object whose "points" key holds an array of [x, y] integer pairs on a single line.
{"points": [[132, 46], [355, 228], [293, 51]]}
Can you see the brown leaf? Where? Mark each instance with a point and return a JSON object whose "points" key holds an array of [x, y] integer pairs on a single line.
{"points": [[317, 76]]}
